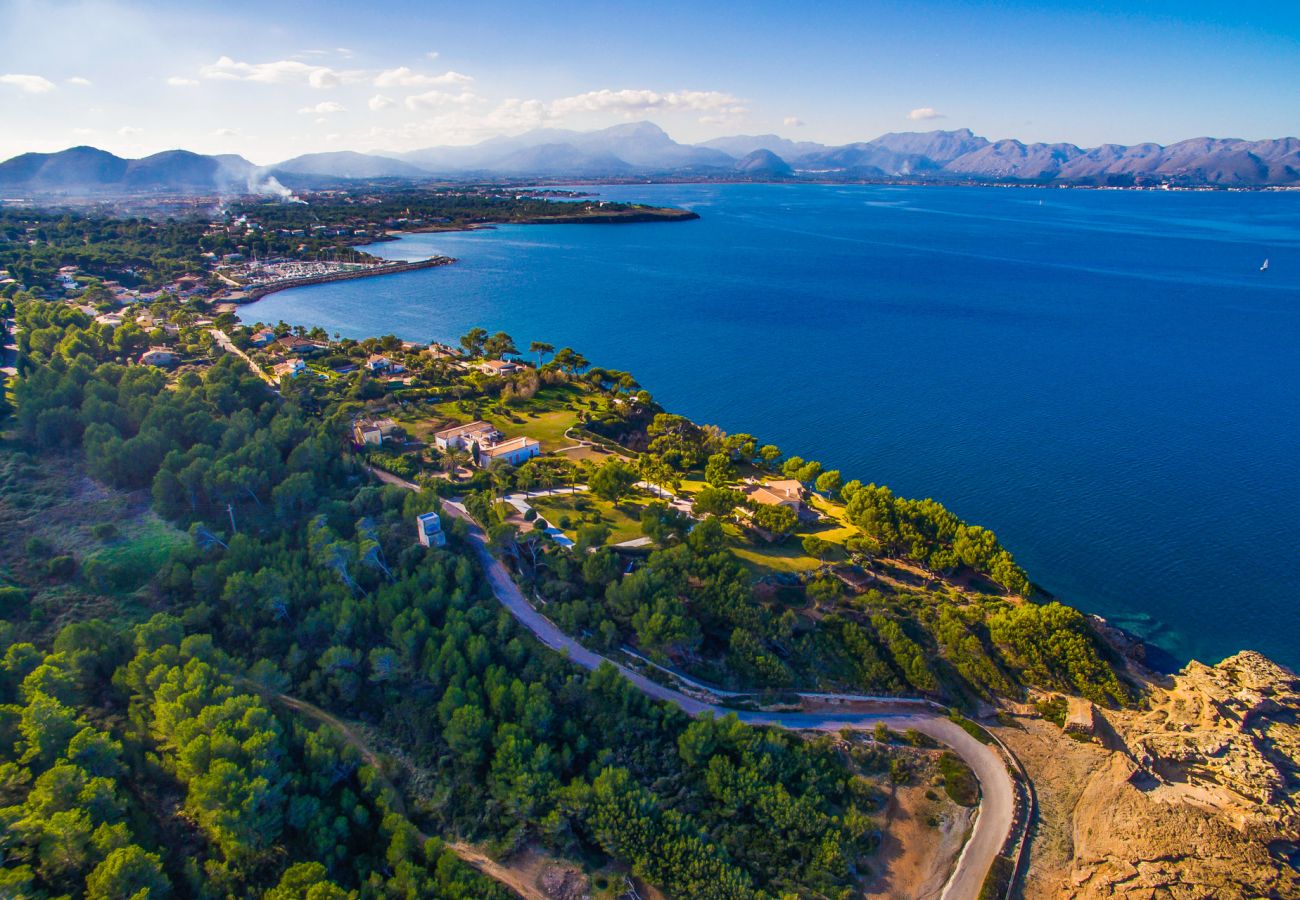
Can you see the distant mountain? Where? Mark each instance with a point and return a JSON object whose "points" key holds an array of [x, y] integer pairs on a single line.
{"points": [[640, 146], [86, 170], [936, 146], [348, 164], [763, 163], [560, 159], [642, 149], [742, 145]]}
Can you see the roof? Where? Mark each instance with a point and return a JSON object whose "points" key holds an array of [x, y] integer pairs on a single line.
{"points": [[479, 427], [375, 424], [499, 365], [509, 446], [775, 493]]}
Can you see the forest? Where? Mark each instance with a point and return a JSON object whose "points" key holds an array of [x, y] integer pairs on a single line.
{"points": [[162, 755]]}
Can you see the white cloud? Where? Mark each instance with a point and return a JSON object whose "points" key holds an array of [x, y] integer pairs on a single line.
{"points": [[227, 132], [638, 102], [437, 99], [925, 112], [85, 132], [325, 107], [130, 131], [343, 52], [404, 76], [78, 81], [178, 81], [793, 122], [29, 84], [281, 71], [379, 101], [432, 54]]}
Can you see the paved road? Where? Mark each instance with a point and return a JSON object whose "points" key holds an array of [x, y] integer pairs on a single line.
{"points": [[997, 803]]}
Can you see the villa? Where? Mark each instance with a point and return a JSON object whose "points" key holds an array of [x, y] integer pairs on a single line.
{"points": [[159, 356], [462, 437], [499, 367], [262, 338], [514, 452], [372, 431], [290, 368], [293, 344], [777, 493]]}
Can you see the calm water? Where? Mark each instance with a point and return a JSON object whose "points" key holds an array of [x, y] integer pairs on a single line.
{"points": [[1106, 379]]}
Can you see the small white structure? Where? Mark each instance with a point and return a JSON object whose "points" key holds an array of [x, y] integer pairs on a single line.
{"points": [[428, 529], [377, 363], [514, 451], [262, 338]]}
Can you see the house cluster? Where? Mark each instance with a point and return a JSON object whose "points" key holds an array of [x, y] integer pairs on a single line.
{"points": [[486, 444]]}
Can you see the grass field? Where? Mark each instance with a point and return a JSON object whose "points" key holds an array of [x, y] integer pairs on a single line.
{"points": [[545, 418], [623, 520]]}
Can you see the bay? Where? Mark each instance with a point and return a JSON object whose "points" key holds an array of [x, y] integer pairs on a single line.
{"points": [[1104, 378]]}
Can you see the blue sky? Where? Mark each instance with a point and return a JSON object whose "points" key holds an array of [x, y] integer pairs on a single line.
{"points": [[272, 79]]}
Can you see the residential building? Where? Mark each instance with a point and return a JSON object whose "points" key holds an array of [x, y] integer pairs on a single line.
{"points": [[290, 368], [159, 356], [499, 367], [462, 437], [293, 344], [514, 451], [377, 363], [777, 493], [262, 338], [372, 431], [428, 530], [442, 351]]}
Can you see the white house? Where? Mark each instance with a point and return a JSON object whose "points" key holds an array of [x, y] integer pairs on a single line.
{"points": [[290, 368], [500, 367], [514, 451], [372, 431], [428, 530], [159, 356], [462, 437]]}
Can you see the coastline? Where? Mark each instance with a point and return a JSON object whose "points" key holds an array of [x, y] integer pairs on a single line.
{"points": [[252, 295]]}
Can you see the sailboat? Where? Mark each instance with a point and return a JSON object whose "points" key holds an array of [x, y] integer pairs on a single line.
{"points": [[1264, 268]]}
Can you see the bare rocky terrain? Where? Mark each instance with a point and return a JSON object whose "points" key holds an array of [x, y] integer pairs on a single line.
{"points": [[1196, 794]]}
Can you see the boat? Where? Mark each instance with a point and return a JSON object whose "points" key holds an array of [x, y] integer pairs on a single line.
{"points": [[1264, 268]]}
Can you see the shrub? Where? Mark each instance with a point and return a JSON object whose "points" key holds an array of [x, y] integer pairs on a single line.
{"points": [[12, 600], [104, 531], [62, 567]]}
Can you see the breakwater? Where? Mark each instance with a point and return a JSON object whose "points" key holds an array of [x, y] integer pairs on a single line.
{"points": [[261, 290]]}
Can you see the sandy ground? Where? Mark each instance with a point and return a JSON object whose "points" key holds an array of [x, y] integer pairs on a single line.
{"points": [[915, 858], [1060, 769]]}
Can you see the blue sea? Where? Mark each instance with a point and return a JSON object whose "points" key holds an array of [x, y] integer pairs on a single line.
{"points": [[1105, 378]]}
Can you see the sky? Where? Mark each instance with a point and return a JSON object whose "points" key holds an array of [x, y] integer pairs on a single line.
{"points": [[274, 78]]}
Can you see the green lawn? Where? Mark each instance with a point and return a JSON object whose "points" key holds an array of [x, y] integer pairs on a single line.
{"points": [[623, 520], [544, 418]]}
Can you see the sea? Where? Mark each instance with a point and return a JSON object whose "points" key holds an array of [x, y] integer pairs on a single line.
{"points": [[1107, 379]]}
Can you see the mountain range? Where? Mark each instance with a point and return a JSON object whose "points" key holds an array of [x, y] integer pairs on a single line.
{"points": [[642, 149]]}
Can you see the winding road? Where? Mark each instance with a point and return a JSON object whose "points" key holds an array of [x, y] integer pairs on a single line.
{"points": [[997, 792]]}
